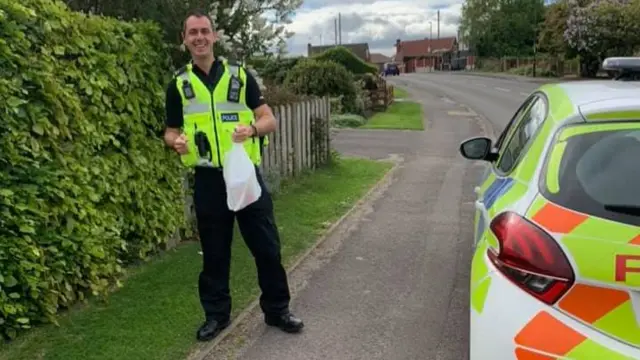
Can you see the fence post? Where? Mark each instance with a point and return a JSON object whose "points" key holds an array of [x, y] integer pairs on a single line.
{"points": [[327, 129]]}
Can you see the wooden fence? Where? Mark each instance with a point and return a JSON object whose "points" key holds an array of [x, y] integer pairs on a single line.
{"points": [[301, 143], [382, 96], [545, 65]]}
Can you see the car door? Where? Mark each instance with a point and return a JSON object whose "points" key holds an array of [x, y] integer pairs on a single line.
{"points": [[510, 145]]}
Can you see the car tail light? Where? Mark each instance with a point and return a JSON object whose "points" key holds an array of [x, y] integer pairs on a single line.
{"points": [[530, 258]]}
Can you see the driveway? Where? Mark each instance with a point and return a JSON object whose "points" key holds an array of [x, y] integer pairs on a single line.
{"points": [[392, 281]]}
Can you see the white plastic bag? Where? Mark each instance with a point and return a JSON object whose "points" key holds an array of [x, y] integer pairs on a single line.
{"points": [[240, 178]]}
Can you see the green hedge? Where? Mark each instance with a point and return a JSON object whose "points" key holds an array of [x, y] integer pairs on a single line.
{"points": [[323, 78], [275, 70], [346, 58], [86, 185]]}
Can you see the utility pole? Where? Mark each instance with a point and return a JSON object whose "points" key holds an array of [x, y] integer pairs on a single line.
{"points": [[431, 62], [438, 24], [340, 28], [335, 29]]}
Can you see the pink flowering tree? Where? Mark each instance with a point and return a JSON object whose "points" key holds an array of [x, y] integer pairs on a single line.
{"points": [[601, 28]]}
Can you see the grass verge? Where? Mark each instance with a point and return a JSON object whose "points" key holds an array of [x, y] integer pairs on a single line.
{"points": [[155, 315], [401, 115], [400, 93]]}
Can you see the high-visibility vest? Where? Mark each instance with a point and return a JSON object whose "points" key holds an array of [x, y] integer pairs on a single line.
{"points": [[210, 118]]}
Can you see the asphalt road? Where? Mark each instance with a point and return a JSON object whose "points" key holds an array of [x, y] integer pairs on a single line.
{"points": [[392, 282], [494, 98]]}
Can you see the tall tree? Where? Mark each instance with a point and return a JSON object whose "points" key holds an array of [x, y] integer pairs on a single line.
{"points": [[247, 27], [501, 27], [253, 27], [551, 37]]}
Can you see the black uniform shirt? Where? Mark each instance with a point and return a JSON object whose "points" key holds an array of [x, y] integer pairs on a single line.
{"points": [[173, 102]]}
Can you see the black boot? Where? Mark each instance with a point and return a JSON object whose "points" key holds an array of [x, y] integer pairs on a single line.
{"points": [[286, 322], [210, 329]]}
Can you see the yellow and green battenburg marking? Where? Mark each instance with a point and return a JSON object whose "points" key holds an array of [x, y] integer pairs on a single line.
{"points": [[592, 244]]}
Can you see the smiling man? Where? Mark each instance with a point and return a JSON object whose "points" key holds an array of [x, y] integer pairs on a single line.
{"points": [[210, 104]]}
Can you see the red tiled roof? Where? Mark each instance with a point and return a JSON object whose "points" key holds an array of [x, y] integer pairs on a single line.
{"points": [[378, 58], [414, 48]]}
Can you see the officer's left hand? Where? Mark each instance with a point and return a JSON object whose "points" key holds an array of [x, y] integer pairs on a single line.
{"points": [[242, 133]]}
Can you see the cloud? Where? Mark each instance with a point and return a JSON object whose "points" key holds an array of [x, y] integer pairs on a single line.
{"points": [[378, 23]]}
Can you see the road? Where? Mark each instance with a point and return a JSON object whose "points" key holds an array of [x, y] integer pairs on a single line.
{"points": [[392, 281], [494, 98]]}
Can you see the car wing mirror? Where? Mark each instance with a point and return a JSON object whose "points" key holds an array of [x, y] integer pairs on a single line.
{"points": [[478, 148]]}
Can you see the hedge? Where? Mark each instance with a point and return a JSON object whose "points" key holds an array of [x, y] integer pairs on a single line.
{"points": [[348, 59], [86, 184], [323, 78], [275, 70]]}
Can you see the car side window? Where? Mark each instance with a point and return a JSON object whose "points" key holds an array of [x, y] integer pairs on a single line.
{"points": [[523, 108], [522, 134]]}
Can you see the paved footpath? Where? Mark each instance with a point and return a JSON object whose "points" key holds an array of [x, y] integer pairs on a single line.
{"points": [[392, 282]]}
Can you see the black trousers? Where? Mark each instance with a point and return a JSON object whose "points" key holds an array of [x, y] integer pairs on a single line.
{"points": [[258, 228]]}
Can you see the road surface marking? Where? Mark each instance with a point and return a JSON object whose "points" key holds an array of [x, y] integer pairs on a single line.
{"points": [[524, 94], [483, 85], [502, 89], [461, 113]]}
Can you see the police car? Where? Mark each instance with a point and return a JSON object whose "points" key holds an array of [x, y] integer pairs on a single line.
{"points": [[556, 266]]}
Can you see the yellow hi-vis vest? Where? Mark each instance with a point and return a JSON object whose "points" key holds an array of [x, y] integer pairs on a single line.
{"points": [[210, 118]]}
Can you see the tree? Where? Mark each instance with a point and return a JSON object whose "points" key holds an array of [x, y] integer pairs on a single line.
{"points": [[501, 27], [167, 13], [551, 37], [600, 29], [244, 27]]}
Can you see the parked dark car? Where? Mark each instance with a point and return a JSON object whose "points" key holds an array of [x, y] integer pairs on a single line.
{"points": [[391, 69]]}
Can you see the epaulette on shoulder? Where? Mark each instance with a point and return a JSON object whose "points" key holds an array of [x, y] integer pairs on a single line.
{"points": [[230, 62], [181, 71]]}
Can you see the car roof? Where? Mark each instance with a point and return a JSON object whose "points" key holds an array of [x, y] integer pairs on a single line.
{"points": [[577, 101]]}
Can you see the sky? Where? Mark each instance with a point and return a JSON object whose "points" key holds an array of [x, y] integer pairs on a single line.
{"points": [[378, 23]]}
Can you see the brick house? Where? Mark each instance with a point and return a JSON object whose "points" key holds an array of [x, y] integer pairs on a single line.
{"points": [[425, 54]]}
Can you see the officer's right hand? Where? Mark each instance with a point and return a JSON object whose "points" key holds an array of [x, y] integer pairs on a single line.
{"points": [[180, 144]]}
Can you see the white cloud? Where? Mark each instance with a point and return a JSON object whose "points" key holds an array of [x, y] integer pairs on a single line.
{"points": [[379, 23]]}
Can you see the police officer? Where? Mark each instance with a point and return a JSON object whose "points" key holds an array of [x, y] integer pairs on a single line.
{"points": [[210, 104]]}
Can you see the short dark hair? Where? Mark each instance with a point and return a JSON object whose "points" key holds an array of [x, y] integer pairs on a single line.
{"points": [[197, 13]]}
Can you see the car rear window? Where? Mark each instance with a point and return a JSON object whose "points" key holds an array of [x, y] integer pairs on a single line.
{"points": [[594, 165]]}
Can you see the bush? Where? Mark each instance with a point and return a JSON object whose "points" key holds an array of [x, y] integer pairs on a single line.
{"points": [[276, 95], [85, 182], [274, 71], [346, 58], [336, 105], [323, 78], [369, 81], [347, 120]]}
